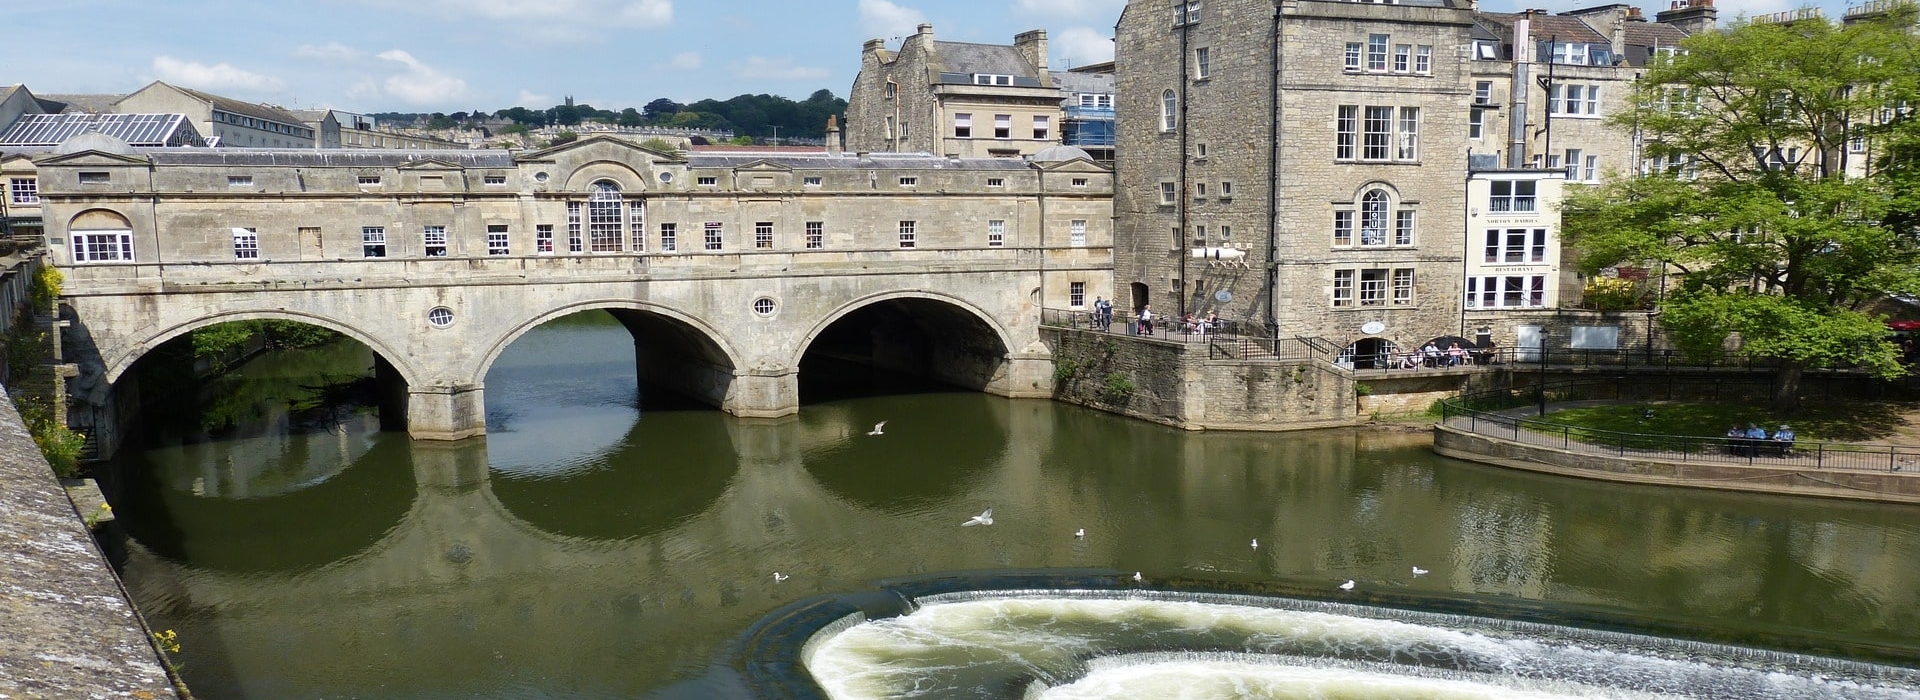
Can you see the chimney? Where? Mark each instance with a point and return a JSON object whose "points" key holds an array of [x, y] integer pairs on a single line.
{"points": [[833, 135], [1517, 103], [1033, 47], [925, 31], [1690, 16], [873, 45]]}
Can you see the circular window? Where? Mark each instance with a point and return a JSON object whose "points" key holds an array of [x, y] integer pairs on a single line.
{"points": [[763, 306], [440, 317], [666, 177], [540, 177]]}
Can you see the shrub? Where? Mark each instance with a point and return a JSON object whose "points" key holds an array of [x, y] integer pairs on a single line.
{"points": [[1118, 387], [1612, 294], [1063, 370], [44, 290]]}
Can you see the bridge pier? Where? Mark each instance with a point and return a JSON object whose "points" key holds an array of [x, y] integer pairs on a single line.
{"points": [[764, 394], [454, 412]]}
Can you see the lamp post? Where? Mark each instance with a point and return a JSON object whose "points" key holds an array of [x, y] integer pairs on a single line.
{"points": [[1540, 387]]}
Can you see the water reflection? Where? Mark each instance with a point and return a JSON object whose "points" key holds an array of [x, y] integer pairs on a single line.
{"points": [[588, 548]]}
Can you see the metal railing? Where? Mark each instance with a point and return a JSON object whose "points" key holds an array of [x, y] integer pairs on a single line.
{"points": [[1492, 414], [1228, 339], [1580, 357]]}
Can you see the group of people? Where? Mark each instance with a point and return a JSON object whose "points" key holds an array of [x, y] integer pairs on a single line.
{"points": [[1144, 320], [1754, 440], [1430, 355]]}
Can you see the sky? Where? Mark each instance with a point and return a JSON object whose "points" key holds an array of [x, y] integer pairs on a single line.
{"points": [[465, 55]]}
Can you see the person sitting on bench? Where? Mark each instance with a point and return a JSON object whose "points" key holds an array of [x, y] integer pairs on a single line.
{"points": [[1782, 441]]}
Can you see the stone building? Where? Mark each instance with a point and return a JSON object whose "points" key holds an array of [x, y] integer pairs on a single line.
{"points": [[229, 122], [954, 98], [1086, 107], [337, 129]]}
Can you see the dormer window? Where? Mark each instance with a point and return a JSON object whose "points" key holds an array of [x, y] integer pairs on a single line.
{"points": [[992, 79], [1486, 51], [1577, 54]]}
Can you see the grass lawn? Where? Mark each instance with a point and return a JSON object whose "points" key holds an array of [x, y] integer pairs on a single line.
{"points": [[1863, 421]]}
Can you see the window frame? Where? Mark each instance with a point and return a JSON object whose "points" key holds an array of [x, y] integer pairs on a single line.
{"points": [[246, 243], [373, 241], [91, 246], [433, 237], [24, 191], [816, 235], [996, 233], [763, 235], [713, 236], [499, 240], [909, 233]]}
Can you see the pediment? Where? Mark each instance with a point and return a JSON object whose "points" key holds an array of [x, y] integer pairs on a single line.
{"points": [[1077, 165], [598, 145], [93, 158], [763, 166], [430, 164]]}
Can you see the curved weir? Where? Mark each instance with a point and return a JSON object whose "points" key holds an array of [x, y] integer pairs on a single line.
{"points": [[1100, 644]]}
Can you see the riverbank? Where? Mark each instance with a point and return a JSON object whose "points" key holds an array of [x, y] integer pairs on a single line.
{"points": [[70, 630]]}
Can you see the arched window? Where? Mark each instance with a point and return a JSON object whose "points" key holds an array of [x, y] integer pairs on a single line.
{"points": [[605, 217], [1373, 217], [1169, 111]]}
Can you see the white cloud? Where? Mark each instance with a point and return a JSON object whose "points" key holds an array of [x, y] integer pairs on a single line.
{"points": [[332, 52], [882, 19], [421, 83], [531, 99], [686, 60], [1073, 10], [219, 76], [550, 19], [1079, 46], [776, 69]]}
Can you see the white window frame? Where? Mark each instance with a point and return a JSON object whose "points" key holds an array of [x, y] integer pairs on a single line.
{"points": [[1513, 200], [1351, 62], [499, 240], [1407, 135], [543, 239], [1403, 286], [816, 235], [669, 237], [1077, 233], [1042, 128], [24, 191], [1377, 47], [1343, 288], [963, 125], [909, 234], [1423, 59], [370, 238], [1169, 111], [763, 235], [1346, 125], [1202, 63], [101, 245], [714, 235], [1002, 127], [996, 233], [432, 237], [246, 243], [1403, 58]]}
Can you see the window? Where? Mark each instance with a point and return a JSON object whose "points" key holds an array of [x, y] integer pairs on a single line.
{"points": [[604, 225], [373, 242], [1201, 59], [715, 235], [963, 126], [1486, 51], [1423, 59], [1351, 62], [494, 181], [1403, 286], [1476, 123], [574, 243], [25, 190], [1226, 235], [1378, 133], [1003, 126], [1377, 53], [369, 180], [996, 233], [1077, 182], [1167, 192], [239, 180], [1515, 245], [1076, 294], [1506, 292], [543, 239], [706, 181], [95, 178], [1042, 128], [908, 238], [246, 244], [1199, 236], [996, 182], [893, 89], [1373, 287], [1077, 233], [1186, 12], [1343, 227], [1409, 142], [102, 246], [992, 79], [909, 181], [1512, 195], [1373, 218], [816, 234], [497, 239], [1226, 189], [669, 237], [1857, 144], [1483, 92], [1200, 151], [1343, 287], [1199, 190], [1169, 112], [1574, 100], [1402, 58], [1403, 227], [637, 225], [763, 234], [1346, 132], [810, 182], [434, 240]]}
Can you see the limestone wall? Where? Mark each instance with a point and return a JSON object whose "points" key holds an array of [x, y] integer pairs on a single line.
{"points": [[1179, 385]]}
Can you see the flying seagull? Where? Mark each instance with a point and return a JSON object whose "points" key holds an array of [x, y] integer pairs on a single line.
{"points": [[984, 518], [877, 428], [778, 577], [1417, 571], [1348, 586], [1082, 532], [1256, 543]]}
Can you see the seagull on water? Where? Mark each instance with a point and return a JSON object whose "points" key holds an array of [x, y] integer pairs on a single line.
{"points": [[878, 428], [984, 518], [1080, 533], [1136, 577], [1256, 543], [1417, 571], [778, 577], [1348, 586]]}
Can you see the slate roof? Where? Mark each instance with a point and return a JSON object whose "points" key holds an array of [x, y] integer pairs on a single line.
{"points": [[325, 158], [994, 59], [873, 161], [1566, 29], [78, 102], [257, 111], [1084, 82]]}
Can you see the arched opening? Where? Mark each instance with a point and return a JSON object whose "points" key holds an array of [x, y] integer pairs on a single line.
{"points": [[902, 345], [594, 356], [1369, 353], [1373, 217]]}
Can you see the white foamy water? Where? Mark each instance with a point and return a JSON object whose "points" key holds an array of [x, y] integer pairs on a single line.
{"points": [[1152, 646]]}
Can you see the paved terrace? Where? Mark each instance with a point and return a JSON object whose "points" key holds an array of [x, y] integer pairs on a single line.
{"points": [[66, 628]]}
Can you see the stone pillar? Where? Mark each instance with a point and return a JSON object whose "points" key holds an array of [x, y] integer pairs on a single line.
{"points": [[764, 394], [446, 412], [1029, 375]]}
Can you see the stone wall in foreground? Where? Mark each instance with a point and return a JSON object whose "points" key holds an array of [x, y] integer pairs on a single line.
{"points": [[1180, 385]]}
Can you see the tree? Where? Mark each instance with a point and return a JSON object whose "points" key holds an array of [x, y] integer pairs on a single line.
{"points": [[1775, 240], [630, 117], [660, 109]]}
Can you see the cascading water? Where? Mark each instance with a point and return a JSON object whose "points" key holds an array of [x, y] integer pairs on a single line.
{"points": [[1088, 645]]}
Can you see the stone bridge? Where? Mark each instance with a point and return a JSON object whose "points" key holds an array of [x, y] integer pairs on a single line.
{"points": [[728, 269]]}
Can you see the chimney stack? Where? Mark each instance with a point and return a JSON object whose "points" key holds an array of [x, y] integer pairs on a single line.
{"points": [[1690, 16], [833, 135], [1033, 46]]}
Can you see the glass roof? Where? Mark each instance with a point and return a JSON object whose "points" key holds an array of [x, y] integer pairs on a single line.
{"points": [[135, 129]]}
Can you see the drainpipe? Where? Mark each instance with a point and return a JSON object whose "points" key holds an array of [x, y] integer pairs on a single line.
{"points": [[1517, 101], [1180, 196], [1273, 182]]}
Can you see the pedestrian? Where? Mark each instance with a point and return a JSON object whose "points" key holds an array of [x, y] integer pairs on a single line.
{"points": [[1146, 319], [1102, 312]]}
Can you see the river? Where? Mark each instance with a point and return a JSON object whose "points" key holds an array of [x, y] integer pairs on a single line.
{"points": [[595, 545]]}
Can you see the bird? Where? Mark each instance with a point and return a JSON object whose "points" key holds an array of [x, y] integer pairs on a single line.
{"points": [[878, 428], [1256, 543], [1082, 532], [1348, 586], [1417, 571], [778, 577], [1136, 577], [984, 518]]}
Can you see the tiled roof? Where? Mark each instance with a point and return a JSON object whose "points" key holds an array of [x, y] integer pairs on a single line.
{"points": [[1544, 27]]}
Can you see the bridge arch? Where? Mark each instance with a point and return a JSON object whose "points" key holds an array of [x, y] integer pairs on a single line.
{"points": [[122, 360], [712, 380], [977, 351]]}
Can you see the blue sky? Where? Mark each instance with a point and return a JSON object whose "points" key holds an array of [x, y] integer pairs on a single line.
{"points": [[459, 55]]}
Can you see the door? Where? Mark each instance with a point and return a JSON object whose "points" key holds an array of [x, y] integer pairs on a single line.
{"points": [[1527, 341]]}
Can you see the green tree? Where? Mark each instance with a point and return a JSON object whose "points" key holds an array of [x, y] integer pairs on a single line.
{"points": [[1773, 240]]}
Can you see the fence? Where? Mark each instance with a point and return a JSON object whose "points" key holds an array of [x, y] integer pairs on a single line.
{"points": [[1580, 357], [1482, 414], [1226, 339]]}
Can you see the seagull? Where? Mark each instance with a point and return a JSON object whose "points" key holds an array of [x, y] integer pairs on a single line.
{"points": [[1348, 586], [984, 518], [1082, 532], [877, 428], [1136, 577], [1417, 571], [1256, 543], [778, 577]]}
